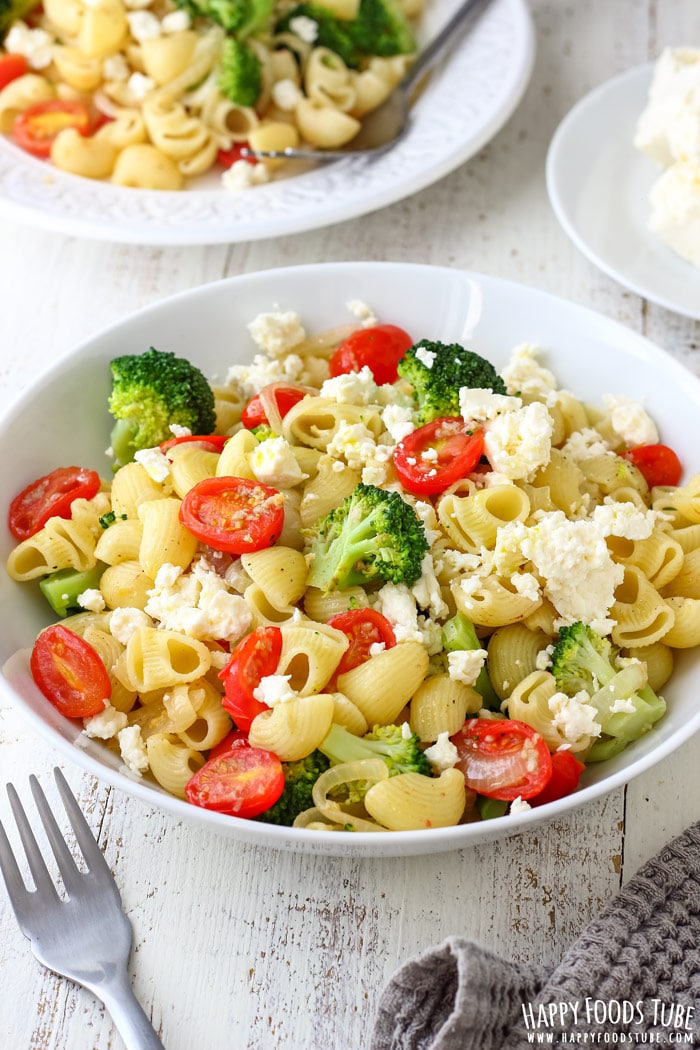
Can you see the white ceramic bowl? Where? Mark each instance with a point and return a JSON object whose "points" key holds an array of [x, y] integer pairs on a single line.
{"points": [[63, 419]]}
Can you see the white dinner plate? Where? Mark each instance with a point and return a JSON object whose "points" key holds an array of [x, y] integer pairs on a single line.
{"points": [[466, 102], [598, 185], [589, 354]]}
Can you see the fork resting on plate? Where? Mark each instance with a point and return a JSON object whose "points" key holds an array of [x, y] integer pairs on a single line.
{"points": [[86, 937]]}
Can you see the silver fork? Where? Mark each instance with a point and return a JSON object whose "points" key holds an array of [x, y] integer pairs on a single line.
{"points": [[87, 937], [384, 126]]}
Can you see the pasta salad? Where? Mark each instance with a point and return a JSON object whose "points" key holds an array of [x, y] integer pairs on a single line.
{"points": [[363, 583], [152, 93]]}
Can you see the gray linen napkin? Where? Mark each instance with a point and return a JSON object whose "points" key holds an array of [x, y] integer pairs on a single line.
{"points": [[631, 979]]}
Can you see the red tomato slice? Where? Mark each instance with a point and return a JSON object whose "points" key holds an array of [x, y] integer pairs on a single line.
{"points": [[285, 396], [502, 758], [37, 126], [50, 496], [228, 157], [380, 347], [225, 745], [244, 781], [437, 455], [212, 442], [363, 628], [11, 67], [256, 657], [658, 463], [566, 773], [69, 673], [233, 514]]}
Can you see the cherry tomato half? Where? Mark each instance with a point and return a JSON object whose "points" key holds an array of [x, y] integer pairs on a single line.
{"points": [[380, 347], [285, 396], [658, 463], [233, 514], [256, 657], [11, 67], [502, 758], [69, 673], [243, 781], [363, 628], [436, 455], [50, 497], [566, 773], [225, 745], [37, 126], [228, 157], [211, 442]]}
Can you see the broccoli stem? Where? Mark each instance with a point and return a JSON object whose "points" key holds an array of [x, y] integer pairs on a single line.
{"points": [[61, 589], [459, 633]]}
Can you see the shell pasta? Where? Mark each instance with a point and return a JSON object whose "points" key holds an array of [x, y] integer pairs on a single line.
{"points": [[357, 590]]}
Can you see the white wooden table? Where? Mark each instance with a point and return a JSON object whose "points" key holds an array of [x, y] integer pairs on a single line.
{"points": [[238, 948]]}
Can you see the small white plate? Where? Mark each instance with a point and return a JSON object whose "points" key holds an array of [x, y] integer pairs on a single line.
{"points": [[598, 186], [467, 100]]}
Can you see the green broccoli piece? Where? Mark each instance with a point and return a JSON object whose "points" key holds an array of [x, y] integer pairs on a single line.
{"points": [[583, 660], [372, 536], [459, 633], [240, 75], [436, 384], [151, 392], [12, 10], [381, 28], [401, 753], [332, 32], [299, 780], [241, 17], [61, 589]]}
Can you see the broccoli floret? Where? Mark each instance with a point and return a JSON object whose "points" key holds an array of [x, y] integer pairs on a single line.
{"points": [[402, 754], [11, 11], [332, 32], [627, 706], [381, 28], [437, 371], [373, 535], [241, 17], [459, 633], [240, 74], [150, 393], [299, 780]]}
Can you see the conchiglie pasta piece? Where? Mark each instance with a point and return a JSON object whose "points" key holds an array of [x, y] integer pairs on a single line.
{"points": [[494, 603], [323, 125], [131, 486], [263, 612], [143, 166], [411, 801], [125, 585], [190, 464], [165, 57], [65, 15], [126, 129], [82, 155], [120, 542], [157, 659], [441, 705], [382, 686], [686, 582], [320, 606], [642, 616], [279, 571], [61, 544], [310, 654], [233, 461], [103, 27], [295, 728], [275, 135], [685, 633], [659, 556], [659, 660], [79, 70], [512, 656], [211, 723], [21, 93], [347, 714], [164, 538], [172, 763], [325, 491]]}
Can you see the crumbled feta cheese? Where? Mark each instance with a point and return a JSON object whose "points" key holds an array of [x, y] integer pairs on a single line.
{"points": [[175, 22], [525, 376], [305, 28], [277, 333], [242, 175], [396, 602], [442, 754], [273, 462], [482, 405], [464, 665], [154, 462], [406, 731], [630, 421], [36, 45], [139, 85], [351, 388], [585, 444], [398, 420], [625, 520], [526, 585], [425, 356], [543, 660], [363, 312], [250, 379], [133, 749], [622, 704], [116, 67], [91, 599], [274, 689], [179, 432], [125, 622], [575, 718], [519, 805], [198, 603], [143, 25], [376, 648], [286, 94], [519, 443], [426, 590], [355, 443], [105, 724]]}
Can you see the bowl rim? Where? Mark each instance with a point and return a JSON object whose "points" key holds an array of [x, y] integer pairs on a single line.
{"points": [[380, 844]]}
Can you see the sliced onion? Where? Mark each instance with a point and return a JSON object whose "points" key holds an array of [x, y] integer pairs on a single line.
{"points": [[371, 770]]}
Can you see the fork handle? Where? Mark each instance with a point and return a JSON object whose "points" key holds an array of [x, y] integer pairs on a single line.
{"points": [[427, 56], [130, 1019]]}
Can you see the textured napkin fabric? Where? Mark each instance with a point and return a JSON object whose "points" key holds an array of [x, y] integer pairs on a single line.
{"points": [[631, 979]]}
